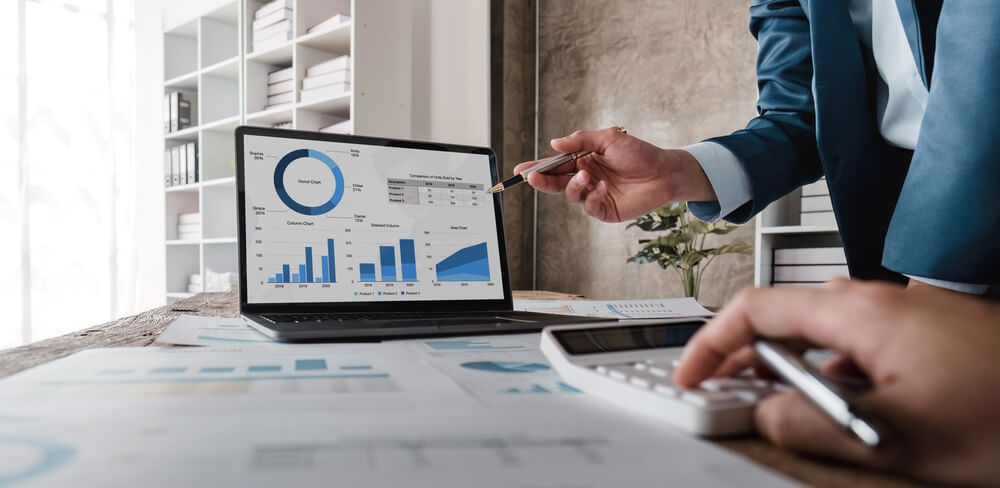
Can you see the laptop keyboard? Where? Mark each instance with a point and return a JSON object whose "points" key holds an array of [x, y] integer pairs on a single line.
{"points": [[346, 316]]}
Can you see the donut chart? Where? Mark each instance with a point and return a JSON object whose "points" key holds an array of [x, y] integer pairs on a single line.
{"points": [[286, 198]]}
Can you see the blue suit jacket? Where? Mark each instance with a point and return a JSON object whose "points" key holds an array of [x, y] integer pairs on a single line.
{"points": [[932, 212]]}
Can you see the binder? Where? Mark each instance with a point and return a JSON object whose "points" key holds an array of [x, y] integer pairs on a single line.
{"points": [[192, 163], [184, 108], [174, 98], [183, 165], [167, 170], [175, 169], [166, 113]]}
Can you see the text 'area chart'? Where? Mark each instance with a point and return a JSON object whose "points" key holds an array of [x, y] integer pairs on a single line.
{"points": [[331, 221]]}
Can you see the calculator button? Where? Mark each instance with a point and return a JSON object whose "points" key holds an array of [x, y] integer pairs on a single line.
{"points": [[641, 366], [640, 382], [665, 390], [618, 375], [601, 369], [748, 395], [657, 371], [707, 398]]}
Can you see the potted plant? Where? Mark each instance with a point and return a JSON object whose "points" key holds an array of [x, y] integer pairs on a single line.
{"points": [[682, 248]]}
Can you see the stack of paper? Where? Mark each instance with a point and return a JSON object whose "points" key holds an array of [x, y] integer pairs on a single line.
{"points": [[327, 79], [817, 208], [329, 23], [809, 267], [280, 87], [272, 25], [189, 226]]}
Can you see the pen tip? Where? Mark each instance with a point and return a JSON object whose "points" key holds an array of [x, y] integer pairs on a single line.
{"points": [[495, 188]]}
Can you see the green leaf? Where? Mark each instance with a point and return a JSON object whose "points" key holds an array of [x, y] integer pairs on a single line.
{"points": [[738, 247], [698, 227]]}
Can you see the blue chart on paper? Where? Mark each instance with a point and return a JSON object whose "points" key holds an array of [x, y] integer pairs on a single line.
{"points": [[513, 367], [467, 264], [48, 456], [536, 388]]}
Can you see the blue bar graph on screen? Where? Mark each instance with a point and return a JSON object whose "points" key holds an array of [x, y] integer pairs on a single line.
{"points": [[408, 259], [309, 265], [367, 271], [330, 263], [307, 271], [387, 258], [467, 264]]}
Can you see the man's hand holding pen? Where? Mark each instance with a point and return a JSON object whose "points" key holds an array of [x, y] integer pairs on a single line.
{"points": [[623, 177]]}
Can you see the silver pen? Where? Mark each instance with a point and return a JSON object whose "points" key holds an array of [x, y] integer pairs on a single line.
{"points": [[830, 398], [544, 165]]}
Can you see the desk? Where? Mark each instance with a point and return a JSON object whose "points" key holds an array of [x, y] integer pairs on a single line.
{"points": [[141, 330]]}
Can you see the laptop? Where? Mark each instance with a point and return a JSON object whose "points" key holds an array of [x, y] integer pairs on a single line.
{"points": [[348, 237]]}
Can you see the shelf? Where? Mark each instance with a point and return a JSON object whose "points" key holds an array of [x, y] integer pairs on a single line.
{"points": [[227, 124], [800, 229], [340, 104], [228, 69], [335, 40], [189, 134], [183, 242], [188, 187], [220, 240], [278, 56], [229, 180], [272, 116], [187, 81]]}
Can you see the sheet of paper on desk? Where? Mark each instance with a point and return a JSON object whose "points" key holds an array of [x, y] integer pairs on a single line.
{"points": [[477, 411], [190, 330], [617, 309], [439, 449]]}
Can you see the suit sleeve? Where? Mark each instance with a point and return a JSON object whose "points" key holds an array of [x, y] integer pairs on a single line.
{"points": [[946, 224], [778, 148]]}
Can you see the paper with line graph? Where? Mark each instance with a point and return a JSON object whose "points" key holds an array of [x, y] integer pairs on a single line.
{"points": [[617, 309]]}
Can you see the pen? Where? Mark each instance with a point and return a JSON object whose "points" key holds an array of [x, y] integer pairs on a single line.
{"points": [[543, 165], [830, 399]]}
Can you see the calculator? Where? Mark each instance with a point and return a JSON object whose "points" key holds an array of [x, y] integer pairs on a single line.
{"points": [[630, 364]]}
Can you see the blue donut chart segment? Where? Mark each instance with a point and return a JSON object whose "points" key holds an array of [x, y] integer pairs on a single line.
{"points": [[279, 182]]}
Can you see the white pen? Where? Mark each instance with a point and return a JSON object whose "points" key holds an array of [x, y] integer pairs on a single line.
{"points": [[830, 399]]}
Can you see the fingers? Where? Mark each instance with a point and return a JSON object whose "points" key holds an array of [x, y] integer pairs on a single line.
{"points": [[576, 188], [587, 140], [549, 183], [790, 421], [594, 203], [842, 320]]}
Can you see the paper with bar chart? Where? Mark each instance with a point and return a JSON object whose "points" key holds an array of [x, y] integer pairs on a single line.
{"points": [[329, 221]]}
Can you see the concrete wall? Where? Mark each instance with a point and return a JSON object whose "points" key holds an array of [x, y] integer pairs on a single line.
{"points": [[671, 71]]}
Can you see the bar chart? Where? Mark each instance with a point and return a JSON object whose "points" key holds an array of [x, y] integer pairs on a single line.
{"points": [[467, 264], [387, 269], [306, 270]]}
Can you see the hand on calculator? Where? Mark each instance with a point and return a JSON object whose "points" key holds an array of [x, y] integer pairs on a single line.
{"points": [[931, 360]]}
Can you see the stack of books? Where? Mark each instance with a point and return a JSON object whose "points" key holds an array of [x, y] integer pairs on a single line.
{"points": [[329, 23], [178, 111], [280, 87], [328, 79], [180, 165], [189, 227], [272, 25], [195, 284], [808, 266], [817, 209]]}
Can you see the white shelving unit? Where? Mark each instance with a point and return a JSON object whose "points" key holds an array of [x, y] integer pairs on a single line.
{"points": [[212, 56], [778, 227]]}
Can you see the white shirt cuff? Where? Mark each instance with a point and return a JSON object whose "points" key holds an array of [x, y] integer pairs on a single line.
{"points": [[970, 288], [727, 176]]}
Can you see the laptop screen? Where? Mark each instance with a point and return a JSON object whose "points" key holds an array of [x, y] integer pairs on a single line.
{"points": [[351, 219]]}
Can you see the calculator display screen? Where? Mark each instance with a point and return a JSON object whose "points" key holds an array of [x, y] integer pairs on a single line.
{"points": [[628, 338]]}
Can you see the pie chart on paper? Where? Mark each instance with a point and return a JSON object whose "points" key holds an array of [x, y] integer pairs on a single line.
{"points": [[511, 367]]}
